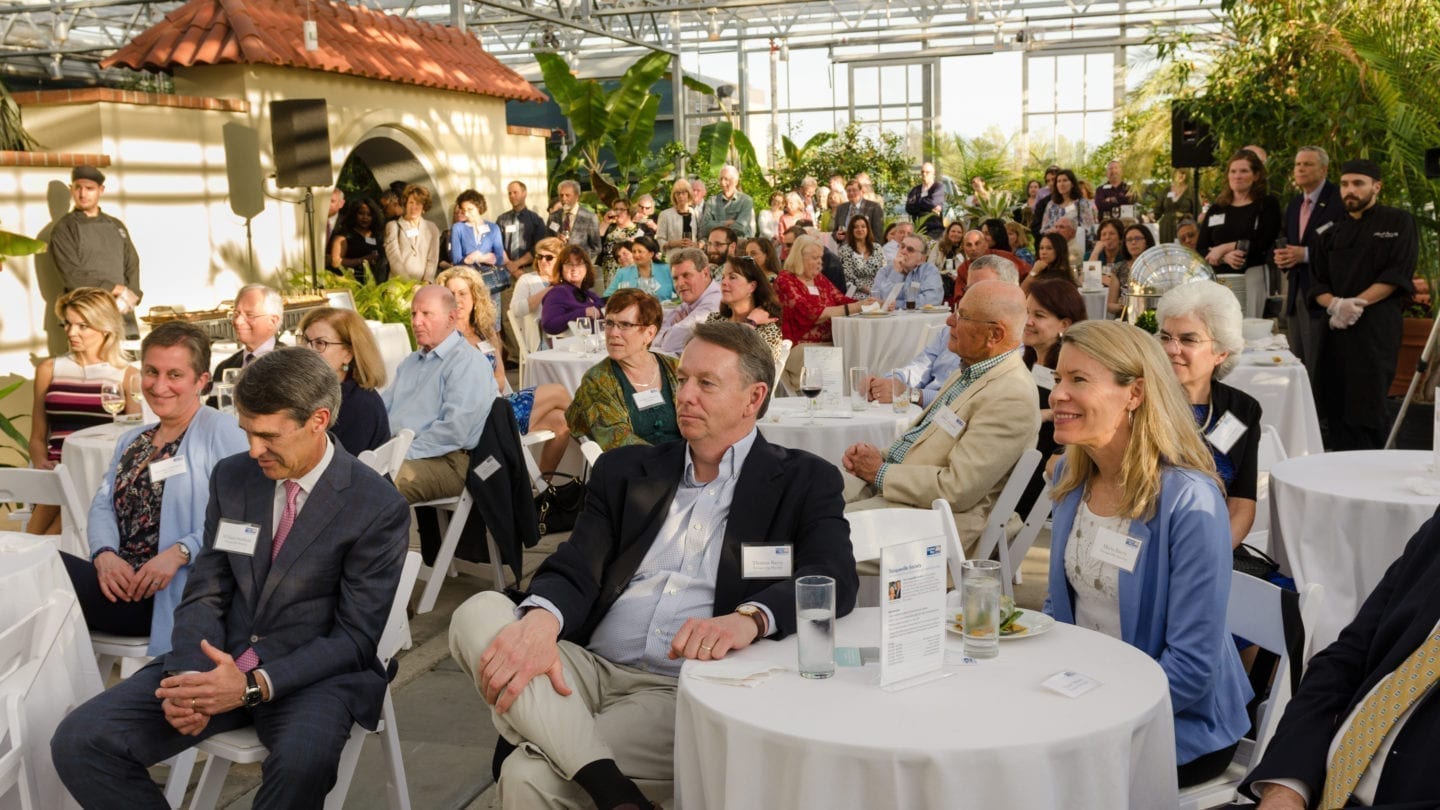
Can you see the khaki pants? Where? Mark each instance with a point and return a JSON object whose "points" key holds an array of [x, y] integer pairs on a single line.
{"points": [[790, 375], [613, 712], [425, 479], [507, 336]]}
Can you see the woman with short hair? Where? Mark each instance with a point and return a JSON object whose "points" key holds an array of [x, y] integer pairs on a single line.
{"points": [[679, 227], [477, 243], [412, 242], [357, 241], [629, 397]]}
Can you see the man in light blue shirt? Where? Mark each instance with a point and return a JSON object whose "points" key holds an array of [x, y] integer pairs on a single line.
{"points": [[917, 280], [443, 392]]}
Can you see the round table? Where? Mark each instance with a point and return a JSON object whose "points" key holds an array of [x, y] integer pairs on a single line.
{"points": [[86, 455], [884, 342], [1341, 519], [786, 424], [560, 366], [1283, 390], [32, 577], [988, 736]]}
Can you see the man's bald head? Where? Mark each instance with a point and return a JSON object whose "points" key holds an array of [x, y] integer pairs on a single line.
{"points": [[1000, 302]]}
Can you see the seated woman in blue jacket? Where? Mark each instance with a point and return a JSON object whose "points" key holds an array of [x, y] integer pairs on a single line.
{"points": [[1136, 469], [148, 518]]}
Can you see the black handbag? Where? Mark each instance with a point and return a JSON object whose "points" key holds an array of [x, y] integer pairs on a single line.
{"points": [[1253, 561], [557, 507]]}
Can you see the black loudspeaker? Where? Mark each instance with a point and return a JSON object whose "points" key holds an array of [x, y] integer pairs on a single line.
{"points": [[242, 167], [1432, 163], [300, 136], [1191, 144]]}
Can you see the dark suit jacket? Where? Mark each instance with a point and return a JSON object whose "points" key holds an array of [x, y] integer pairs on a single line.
{"points": [[783, 496], [870, 210], [316, 614], [1396, 618], [504, 502], [584, 231], [1328, 208], [235, 361]]}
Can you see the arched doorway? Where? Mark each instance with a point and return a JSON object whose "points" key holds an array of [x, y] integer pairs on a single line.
{"points": [[386, 156]]}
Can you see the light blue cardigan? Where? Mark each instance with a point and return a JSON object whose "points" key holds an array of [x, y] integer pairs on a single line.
{"points": [[212, 435], [1173, 606]]}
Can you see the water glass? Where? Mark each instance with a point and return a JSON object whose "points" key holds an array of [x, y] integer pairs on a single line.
{"points": [[899, 392], [225, 397], [231, 375], [980, 586], [585, 325], [859, 391], [815, 625]]}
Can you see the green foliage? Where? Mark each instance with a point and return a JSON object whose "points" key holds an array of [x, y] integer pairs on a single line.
{"points": [[849, 152], [615, 124], [14, 244], [388, 302], [20, 441], [13, 136], [357, 181]]}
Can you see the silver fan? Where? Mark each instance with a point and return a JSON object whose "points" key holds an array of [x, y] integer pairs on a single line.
{"points": [[1157, 271]]}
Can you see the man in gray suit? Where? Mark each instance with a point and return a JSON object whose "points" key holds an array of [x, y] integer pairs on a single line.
{"points": [[302, 553], [857, 205], [573, 222]]}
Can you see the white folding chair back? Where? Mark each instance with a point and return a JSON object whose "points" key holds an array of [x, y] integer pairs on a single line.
{"points": [[954, 549], [527, 336], [243, 746], [1034, 522], [785, 347], [1272, 452], [925, 338], [387, 458], [1253, 613], [993, 535], [591, 450], [19, 663], [51, 488], [873, 529]]}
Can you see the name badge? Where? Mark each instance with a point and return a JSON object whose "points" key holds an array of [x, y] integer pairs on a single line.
{"points": [[1070, 683], [236, 537], [412, 232], [1226, 432], [1323, 228], [949, 421], [1120, 550], [1216, 221], [369, 240], [487, 468], [765, 561], [648, 399], [513, 227], [167, 468], [1044, 377]]}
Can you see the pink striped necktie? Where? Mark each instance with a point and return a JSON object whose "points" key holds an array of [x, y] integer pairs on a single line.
{"points": [[250, 659], [1304, 215]]}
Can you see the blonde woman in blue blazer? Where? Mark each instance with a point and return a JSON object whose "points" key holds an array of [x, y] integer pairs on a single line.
{"points": [[1136, 471], [140, 555]]}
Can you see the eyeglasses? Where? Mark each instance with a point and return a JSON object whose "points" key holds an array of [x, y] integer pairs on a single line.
{"points": [[1186, 341], [714, 244], [237, 314], [546, 257], [619, 326], [960, 317], [321, 344]]}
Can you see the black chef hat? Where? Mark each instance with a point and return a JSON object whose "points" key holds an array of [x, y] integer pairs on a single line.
{"points": [[87, 173], [1366, 167]]}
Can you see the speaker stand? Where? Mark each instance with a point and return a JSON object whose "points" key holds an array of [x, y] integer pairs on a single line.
{"points": [[310, 238]]}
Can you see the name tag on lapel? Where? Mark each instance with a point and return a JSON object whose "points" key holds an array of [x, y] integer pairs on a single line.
{"points": [[948, 421], [1323, 228], [167, 468], [766, 561], [236, 537], [1217, 220]]}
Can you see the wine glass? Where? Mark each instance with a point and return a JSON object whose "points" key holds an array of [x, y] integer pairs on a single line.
{"points": [[811, 383], [111, 399]]}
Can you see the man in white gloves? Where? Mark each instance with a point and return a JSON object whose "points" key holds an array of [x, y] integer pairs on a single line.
{"points": [[1363, 273]]}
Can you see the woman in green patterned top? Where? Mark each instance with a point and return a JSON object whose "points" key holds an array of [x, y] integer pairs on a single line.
{"points": [[629, 397]]}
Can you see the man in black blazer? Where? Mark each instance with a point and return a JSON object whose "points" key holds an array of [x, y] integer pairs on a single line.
{"points": [[1318, 204], [856, 204], [1400, 615], [284, 643], [687, 550]]}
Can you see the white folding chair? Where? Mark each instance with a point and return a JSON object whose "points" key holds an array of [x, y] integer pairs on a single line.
{"points": [[453, 512], [1253, 613], [527, 336], [994, 534], [19, 663], [51, 488], [1272, 452], [785, 347], [1034, 522], [873, 529], [242, 746], [591, 450], [387, 458]]}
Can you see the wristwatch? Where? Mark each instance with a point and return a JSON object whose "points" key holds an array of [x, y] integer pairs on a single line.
{"points": [[184, 552], [755, 613], [253, 696]]}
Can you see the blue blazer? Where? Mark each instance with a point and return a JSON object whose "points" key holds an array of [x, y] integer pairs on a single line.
{"points": [[212, 435], [463, 242], [1173, 606]]}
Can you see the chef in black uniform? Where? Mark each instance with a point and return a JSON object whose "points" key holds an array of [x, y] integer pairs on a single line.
{"points": [[1363, 274]]}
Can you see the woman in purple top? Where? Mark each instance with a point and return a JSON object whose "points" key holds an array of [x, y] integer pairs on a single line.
{"points": [[572, 298]]}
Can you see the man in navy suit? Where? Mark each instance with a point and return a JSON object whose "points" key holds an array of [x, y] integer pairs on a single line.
{"points": [[684, 550], [1311, 213], [1400, 616], [857, 205], [281, 616]]}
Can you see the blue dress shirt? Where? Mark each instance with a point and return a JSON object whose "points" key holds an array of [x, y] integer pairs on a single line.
{"points": [[931, 367], [443, 395]]}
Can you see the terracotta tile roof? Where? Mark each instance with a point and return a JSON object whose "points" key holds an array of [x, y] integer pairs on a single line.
{"points": [[354, 40]]}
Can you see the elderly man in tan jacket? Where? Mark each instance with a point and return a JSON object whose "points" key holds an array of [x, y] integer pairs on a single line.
{"points": [[964, 444]]}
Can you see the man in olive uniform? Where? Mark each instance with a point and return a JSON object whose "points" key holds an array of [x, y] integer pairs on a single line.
{"points": [[1362, 279], [93, 249]]}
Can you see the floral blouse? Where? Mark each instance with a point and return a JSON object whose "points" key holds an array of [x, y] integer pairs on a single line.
{"points": [[137, 498], [800, 317], [860, 270]]}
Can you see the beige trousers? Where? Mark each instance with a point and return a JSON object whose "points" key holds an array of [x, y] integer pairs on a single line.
{"points": [[613, 712], [425, 479]]}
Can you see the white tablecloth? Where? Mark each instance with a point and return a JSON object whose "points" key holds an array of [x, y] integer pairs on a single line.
{"points": [[561, 366], [1340, 519], [988, 736], [787, 425], [884, 343], [87, 453], [1285, 397], [32, 576]]}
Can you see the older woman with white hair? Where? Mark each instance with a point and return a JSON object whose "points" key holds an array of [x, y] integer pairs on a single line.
{"points": [[1200, 332]]}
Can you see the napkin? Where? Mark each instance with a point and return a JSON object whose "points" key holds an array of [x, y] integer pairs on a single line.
{"points": [[748, 674]]}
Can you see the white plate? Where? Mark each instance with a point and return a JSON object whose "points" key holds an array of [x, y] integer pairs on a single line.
{"points": [[873, 315], [1259, 359], [1035, 623]]}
